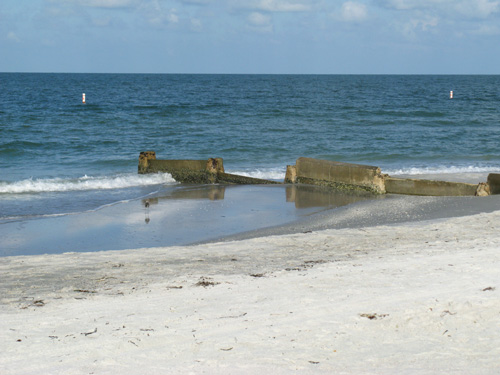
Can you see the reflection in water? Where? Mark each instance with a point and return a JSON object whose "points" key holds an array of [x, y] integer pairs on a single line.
{"points": [[146, 206], [306, 196], [211, 192]]}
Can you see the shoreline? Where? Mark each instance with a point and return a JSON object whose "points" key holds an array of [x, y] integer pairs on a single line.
{"points": [[195, 214], [417, 298], [388, 209]]}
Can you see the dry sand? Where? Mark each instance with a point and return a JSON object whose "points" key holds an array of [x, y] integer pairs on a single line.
{"points": [[418, 298]]}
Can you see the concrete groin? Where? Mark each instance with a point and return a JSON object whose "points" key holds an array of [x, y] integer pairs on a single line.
{"points": [[346, 176], [208, 171], [342, 176], [336, 175]]}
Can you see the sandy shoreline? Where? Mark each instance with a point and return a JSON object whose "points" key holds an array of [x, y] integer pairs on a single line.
{"points": [[190, 214], [417, 298]]}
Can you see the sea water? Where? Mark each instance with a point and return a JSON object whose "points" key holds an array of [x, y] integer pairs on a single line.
{"points": [[59, 155]]}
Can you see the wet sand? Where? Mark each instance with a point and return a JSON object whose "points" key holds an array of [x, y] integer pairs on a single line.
{"points": [[180, 215]]}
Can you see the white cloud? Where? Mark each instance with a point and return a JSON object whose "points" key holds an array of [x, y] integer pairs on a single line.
{"points": [[196, 24], [414, 26], [352, 11], [13, 37], [162, 18], [108, 3], [400, 4], [478, 8], [259, 19], [282, 6], [419, 4], [156, 15], [471, 8], [98, 3], [487, 30], [197, 2], [172, 17], [260, 22]]}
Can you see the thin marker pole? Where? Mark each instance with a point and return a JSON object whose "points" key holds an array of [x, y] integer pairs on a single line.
{"points": [[451, 94], [83, 98]]}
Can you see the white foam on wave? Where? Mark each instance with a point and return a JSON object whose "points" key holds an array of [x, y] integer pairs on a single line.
{"points": [[84, 183], [441, 170], [278, 174], [263, 173]]}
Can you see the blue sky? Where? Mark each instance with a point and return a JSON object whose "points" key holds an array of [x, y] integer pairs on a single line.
{"points": [[251, 36]]}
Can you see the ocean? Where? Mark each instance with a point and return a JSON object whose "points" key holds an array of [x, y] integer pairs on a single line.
{"points": [[59, 156]]}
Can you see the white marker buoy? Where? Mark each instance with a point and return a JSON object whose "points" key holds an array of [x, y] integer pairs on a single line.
{"points": [[83, 98], [451, 94]]}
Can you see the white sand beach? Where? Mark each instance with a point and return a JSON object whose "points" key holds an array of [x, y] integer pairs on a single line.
{"points": [[416, 298]]}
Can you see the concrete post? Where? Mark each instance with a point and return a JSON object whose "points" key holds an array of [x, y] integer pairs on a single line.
{"points": [[291, 174], [144, 158], [215, 165], [483, 190]]}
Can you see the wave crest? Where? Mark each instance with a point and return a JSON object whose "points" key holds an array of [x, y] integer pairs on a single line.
{"points": [[441, 170], [84, 183], [265, 174]]}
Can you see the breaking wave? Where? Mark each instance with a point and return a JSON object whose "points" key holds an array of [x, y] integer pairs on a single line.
{"points": [[84, 183], [264, 173], [441, 170]]}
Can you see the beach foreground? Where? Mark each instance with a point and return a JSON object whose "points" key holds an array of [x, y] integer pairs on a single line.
{"points": [[417, 298]]}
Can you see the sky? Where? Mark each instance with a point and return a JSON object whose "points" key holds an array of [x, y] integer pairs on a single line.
{"points": [[251, 36]]}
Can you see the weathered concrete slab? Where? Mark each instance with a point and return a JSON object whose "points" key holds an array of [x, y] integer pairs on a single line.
{"points": [[185, 171], [339, 175], [494, 183], [209, 171], [428, 187]]}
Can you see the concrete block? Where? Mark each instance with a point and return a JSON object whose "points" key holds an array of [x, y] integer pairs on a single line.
{"points": [[494, 183], [340, 175], [428, 187], [483, 189], [291, 174]]}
